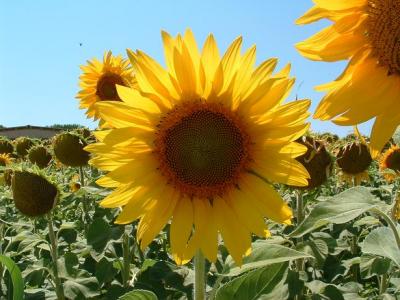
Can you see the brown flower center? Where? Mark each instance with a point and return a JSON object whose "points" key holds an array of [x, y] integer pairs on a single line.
{"points": [[202, 149], [392, 161], [384, 32], [354, 158], [106, 89]]}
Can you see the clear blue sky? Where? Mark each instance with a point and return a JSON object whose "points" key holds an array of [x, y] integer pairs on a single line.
{"points": [[40, 50]]}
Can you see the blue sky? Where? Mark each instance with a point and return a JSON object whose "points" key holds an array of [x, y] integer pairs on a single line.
{"points": [[40, 50]]}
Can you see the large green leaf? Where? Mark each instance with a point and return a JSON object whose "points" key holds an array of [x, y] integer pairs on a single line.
{"points": [[338, 209], [264, 254], [254, 284], [381, 242], [139, 295], [16, 277]]}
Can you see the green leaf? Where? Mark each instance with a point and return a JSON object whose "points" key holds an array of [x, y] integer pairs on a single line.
{"points": [[381, 242], [264, 254], [254, 284], [86, 287], [139, 295], [16, 277], [339, 209], [98, 234]]}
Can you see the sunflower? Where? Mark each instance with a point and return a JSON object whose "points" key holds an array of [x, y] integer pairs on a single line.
{"points": [[5, 159], [99, 79], [200, 142], [389, 164], [368, 33], [354, 160]]}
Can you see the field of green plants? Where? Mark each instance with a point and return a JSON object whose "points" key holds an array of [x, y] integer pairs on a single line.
{"points": [[344, 242]]}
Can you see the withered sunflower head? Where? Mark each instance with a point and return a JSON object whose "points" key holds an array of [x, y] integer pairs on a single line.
{"points": [[6, 147], [354, 158], [68, 148], [22, 145], [316, 160], [40, 156], [84, 132], [33, 194]]}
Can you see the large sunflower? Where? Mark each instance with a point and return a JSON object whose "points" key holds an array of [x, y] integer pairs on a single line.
{"points": [[99, 79], [200, 142], [368, 33]]}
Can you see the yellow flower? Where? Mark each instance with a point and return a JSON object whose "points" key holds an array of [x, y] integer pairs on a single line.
{"points": [[389, 164], [368, 33], [99, 79], [198, 142], [5, 159]]}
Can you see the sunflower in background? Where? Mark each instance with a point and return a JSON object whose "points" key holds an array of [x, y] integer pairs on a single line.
{"points": [[99, 79], [368, 33], [389, 164], [5, 159], [198, 142]]}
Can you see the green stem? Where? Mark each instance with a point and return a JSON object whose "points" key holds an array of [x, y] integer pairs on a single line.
{"points": [[199, 276], [354, 251], [126, 256], [54, 256], [299, 219], [84, 202], [391, 224], [383, 284]]}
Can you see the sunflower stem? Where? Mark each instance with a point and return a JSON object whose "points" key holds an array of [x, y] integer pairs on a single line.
{"points": [[84, 201], [391, 224], [383, 283], [54, 256], [199, 276], [126, 257], [299, 218]]}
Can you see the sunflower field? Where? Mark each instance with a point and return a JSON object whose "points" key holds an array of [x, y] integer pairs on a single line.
{"points": [[203, 180]]}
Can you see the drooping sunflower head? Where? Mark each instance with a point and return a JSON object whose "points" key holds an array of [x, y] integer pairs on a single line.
{"points": [[208, 133], [69, 149], [6, 147], [99, 79], [5, 160], [40, 156], [33, 194], [368, 33], [22, 146], [354, 160], [389, 163], [316, 160]]}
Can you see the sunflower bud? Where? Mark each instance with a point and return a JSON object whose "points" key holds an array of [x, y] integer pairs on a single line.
{"points": [[316, 160], [40, 156], [22, 146], [33, 194], [6, 147], [68, 148]]}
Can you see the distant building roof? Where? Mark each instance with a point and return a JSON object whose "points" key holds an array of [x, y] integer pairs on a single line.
{"points": [[29, 131]]}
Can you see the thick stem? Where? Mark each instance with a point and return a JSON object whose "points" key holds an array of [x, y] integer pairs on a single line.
{"points": [[391, 224], [84, 202], [54, 256], [126, 256], [199, 276], [383, 284], [354, 250], [299, 218]]}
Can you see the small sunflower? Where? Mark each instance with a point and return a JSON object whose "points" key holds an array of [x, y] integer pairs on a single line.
{"points": [[69, 149], [6, 147], [5, 160], [33, 194], [389, 164], [368, 33], [75, 186], [354, 160], [198, 142], [40, 156], [22, 145], [316, 160], [99, 79]]}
